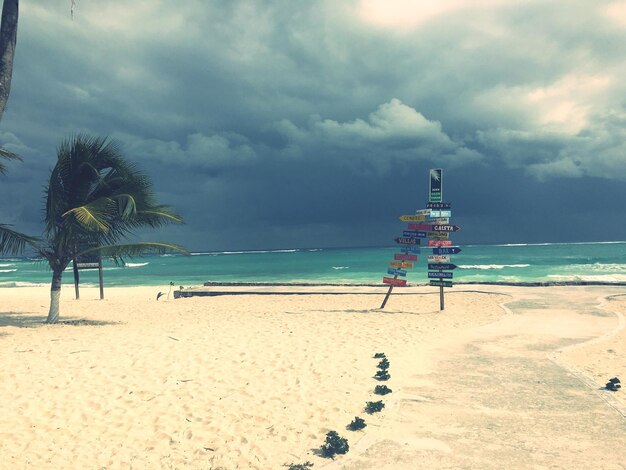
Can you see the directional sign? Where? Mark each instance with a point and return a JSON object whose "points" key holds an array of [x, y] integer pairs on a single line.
{"points": [[441, 283], [412, 228], [404, 257], [440, 274], [410, 249], [435, 185], [401, 264], [444, 266], [412, 218], [394, 282], [423, 212], [435, 227], [446, 250], [438, 205], [421, 227], [440, 220], [408, 241], [439, 235], [439, 259], [437, 213], [440, 242], [396, 272], [414, 233]]}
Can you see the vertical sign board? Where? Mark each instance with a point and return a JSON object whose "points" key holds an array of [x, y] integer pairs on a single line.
{"points": [[90, 261], [435, 187]]}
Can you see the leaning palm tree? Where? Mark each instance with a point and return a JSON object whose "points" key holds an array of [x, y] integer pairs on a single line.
{"points": [[95, 198]]}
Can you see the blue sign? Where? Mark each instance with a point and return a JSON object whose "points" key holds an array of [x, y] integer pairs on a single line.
{"points": [[440, 275], [435, 214], [446, 250], [443, 266], [438, 205], [408, 241], [413, 233], [396, 272], [406, 249]]}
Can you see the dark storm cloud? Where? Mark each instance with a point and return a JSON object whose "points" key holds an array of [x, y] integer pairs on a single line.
{"points": [[273, 124]]}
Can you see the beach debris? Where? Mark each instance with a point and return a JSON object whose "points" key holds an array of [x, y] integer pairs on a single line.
{"points": [[374, 406], [298, 466], [613, 384], [335, 444], [384, 364], [356, 424], [382, 375], [379, 356], [382, 390], [159, 295]]}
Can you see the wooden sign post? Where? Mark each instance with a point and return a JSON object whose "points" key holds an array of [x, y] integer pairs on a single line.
{"points": [[432, 223], [88, 262]]}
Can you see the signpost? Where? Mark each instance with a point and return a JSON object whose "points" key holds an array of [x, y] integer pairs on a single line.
{"points": [[432, 223], [90, 261]]}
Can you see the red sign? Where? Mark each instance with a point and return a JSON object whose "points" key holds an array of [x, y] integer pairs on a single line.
{"points": [[394, 282], [400, 257], [439, 242]]}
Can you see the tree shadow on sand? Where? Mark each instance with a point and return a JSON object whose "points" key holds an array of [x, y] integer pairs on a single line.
{"points": [[31, 320]]}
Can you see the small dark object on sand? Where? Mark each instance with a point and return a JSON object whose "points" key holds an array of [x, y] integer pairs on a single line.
{"points": [[382, 390], [374, 406], [379, 356], [383, 364], [613, 384], [358, 423], [382, 375], [160, 294], [334, 445]]}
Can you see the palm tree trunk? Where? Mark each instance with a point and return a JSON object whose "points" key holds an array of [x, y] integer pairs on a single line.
{"points": [[55, 295], [8, 37]]}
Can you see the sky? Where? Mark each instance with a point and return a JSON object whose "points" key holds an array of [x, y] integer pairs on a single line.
{"points": [[283, 124]]}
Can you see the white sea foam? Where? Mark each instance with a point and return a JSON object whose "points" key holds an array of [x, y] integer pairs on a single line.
{"points": [[135, 265], [588, 278], [248, 252], [492, 266], [341, 267], [6, 265], [7, 270], [22, 284]]}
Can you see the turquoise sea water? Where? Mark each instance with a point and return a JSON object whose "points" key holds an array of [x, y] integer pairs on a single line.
{"points": [[546, 263]]}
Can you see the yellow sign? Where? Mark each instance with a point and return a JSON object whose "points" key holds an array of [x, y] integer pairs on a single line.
{"points": [[439, 235], [413, 218], [400, 264]]}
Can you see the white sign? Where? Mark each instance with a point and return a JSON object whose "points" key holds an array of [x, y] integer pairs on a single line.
{"points": [[439, 259]]}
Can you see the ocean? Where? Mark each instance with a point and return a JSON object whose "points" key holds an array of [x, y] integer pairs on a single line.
{"points": [[546, 263]]}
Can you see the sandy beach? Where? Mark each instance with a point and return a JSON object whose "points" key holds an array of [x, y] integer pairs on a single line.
{"points": [[505, 377]]}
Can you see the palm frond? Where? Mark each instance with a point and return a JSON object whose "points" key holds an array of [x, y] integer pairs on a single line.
{"points": [[12, 242], [8, 155], [94, 216]]}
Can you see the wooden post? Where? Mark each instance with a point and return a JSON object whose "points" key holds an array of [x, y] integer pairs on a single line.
{"points": [[441, 306], [100, 278], [388, 294], [76, 279]]}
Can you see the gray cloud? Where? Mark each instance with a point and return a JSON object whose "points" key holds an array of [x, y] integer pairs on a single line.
{"points": [[309, 119]]}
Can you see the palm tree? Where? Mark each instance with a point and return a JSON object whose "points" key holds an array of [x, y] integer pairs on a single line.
{"points": [[95, 198]]}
